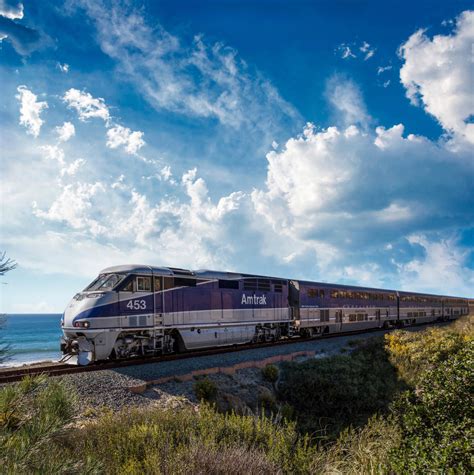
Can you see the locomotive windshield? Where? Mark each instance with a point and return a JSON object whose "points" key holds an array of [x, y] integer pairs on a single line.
{"points": [[105, 282]]}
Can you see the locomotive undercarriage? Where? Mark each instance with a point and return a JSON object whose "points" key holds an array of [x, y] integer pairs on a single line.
{"points": [[87, 347]]}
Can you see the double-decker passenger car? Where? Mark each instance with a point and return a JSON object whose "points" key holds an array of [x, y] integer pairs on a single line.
{"points": [[140, 310]]}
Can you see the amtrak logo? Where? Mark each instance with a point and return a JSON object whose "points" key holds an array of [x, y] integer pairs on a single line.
{"points": [[254, 299]]}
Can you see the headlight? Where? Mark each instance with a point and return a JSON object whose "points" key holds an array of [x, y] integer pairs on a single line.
{"points": [[95, 296], [84, 324]]}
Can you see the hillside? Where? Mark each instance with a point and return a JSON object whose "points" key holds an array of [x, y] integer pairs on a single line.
{"points": [[381, 406]]}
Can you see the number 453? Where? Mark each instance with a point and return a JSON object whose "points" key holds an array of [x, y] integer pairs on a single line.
{"points": [[136, 304]]}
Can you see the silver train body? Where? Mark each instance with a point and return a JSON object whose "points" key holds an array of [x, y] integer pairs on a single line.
{"points": [[137, 310]]}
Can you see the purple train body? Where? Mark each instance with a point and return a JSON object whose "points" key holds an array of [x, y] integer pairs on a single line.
{"points": [[142, 310]]}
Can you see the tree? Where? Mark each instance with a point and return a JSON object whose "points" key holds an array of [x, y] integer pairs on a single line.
{"points": [[6, 265]]}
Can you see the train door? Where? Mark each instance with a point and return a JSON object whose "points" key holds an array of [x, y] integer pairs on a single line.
{"points": [[294, 298], [377, 318], [339, 320], [158, 296]]}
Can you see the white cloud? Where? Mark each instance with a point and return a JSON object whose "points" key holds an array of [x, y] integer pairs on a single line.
{"points": [[86, 106], [386, 83], [53, 152], [382, 69], [438, 72], [73, 167], [191, 78], [346, 99], [74, 206], [345, 51], [367, 50], [351, 51], [443, 258], [30, 110], [65, 131], [356, 189], [166, 173], [64, 68], [122, 136], [11, 10]]}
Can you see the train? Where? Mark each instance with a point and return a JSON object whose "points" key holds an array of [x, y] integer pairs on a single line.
{"points": [[139, 310]]}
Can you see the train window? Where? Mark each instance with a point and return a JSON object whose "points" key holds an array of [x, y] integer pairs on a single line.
{"points": [[182, 282], [143, 284], [157, 284], [128, 287], [321, 293], [229, 284], [168, 283], [313, 293]]}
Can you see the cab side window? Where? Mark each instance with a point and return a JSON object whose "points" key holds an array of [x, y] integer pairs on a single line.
{"points": [[143, 284], [128, 287], [157, 284]]}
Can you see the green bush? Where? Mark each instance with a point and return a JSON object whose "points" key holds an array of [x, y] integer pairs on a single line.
{"points": [[413, 353], [437, 418], [205, 389], [186, 441], [270, 373], [33, 416], [331, 393]]}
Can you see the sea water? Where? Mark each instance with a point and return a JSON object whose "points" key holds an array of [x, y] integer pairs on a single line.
{"points": [[31, 337]]}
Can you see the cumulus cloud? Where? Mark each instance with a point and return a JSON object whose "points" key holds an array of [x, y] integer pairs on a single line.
{"points": [[437, 74], [73, 207], [129, 218], [119, 136], [357, 189], [191, 78], [30, 110], [11, 10], [86, 106], [65, 131]]}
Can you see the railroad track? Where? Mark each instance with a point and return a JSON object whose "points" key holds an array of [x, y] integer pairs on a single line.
{"points": [[9, 375]]}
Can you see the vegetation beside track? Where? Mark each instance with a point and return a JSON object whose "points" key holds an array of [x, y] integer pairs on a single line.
{"points": [[401, 404]]}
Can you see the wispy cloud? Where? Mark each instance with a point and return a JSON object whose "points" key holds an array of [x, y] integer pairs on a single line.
{"points": [[194, 78], [354, 50]]}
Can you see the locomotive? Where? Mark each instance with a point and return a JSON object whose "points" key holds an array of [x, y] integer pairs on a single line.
{"points": [[139, 310]]}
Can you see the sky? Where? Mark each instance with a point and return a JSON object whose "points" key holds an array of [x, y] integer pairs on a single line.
{"points": [[319, 140]]}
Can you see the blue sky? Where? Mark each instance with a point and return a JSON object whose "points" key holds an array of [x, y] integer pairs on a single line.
{"points": [[319, 140]]}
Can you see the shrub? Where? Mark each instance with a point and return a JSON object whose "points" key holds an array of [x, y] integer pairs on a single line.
{"points": [[331, 393], [33, 417], [270, 373], [267, 401], [186, 441], [413, 353], [437, 418], [205, 389], [360, 450]]}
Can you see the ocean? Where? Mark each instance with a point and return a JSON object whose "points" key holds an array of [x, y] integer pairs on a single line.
{"points": [[32, 338]]}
